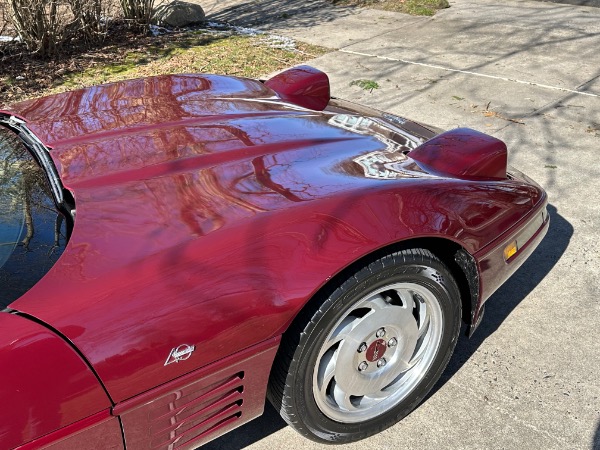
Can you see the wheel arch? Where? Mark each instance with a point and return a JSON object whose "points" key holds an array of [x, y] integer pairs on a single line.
{"points": [[460, 263]]}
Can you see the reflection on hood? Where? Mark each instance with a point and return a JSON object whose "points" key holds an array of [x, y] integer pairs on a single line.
{"points": [[390, 163]]}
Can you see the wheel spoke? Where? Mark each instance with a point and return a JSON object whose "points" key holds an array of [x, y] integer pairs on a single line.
{"points": [[342, 398], [408, 316], [408, 301], [378, 395], [425, 323], [414, 360], [326, 372], [377, 302], [385, 391], [425, 320], [342, 331]]}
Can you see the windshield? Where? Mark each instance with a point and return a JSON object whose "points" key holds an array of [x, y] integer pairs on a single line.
{"points": [[32, 231]]}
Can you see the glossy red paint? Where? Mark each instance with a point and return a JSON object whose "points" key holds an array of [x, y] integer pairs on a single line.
{"points": [[302, 85], [494, 269], [45, 385], [201, 405], [209, 212], [463, 153], [98, 431]]}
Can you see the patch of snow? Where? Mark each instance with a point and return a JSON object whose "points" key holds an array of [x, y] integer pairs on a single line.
{"points": [[272, 40], [217, 25], [10, 39], [231, 29], [247, 31], [219, 28], [276, 41], [155, 30]]}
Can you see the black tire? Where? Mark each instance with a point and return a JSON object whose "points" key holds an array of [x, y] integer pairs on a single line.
{"points": [[351, 364]]}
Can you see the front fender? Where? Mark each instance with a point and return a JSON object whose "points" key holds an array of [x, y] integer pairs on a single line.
{"points": [[46, 385]]}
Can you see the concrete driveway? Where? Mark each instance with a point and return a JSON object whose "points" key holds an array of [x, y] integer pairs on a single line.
{"points": [[528, 73]]}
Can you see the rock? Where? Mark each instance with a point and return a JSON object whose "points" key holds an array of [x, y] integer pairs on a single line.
{"points": [[178, 14]]}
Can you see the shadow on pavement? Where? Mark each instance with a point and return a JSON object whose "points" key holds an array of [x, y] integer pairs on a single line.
{"points": [[272, 13], [594, 3], [511, 293]]}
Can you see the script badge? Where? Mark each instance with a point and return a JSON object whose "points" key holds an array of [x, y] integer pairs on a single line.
{"points": [[181, 353]]}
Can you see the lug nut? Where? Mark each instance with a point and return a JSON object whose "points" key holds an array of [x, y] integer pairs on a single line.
{"points": [[382, 362], [380, 332], [392, 342], [362, 347], [362, 366]]}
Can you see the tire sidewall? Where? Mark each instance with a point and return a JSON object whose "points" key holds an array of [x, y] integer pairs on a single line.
{"points": [[431, 276]]}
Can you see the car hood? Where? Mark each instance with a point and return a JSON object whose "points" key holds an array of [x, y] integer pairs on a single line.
{"points": [[140, 129], [155, 162]]}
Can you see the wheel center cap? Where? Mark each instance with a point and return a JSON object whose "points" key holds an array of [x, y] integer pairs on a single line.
{"points": [[376, 350]]}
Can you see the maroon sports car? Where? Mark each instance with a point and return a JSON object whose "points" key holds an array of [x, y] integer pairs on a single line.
{"points": [[174, 250]]}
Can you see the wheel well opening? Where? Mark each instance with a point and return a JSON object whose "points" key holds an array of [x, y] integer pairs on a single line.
{"points": [[443, 249], [448, 251]]}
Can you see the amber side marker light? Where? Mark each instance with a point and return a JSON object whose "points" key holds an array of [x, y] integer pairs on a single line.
{"points": [[525, 235], [510, 250]]}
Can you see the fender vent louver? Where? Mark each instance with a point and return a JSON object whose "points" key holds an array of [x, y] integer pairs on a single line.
{"points": [[182, 416], [201, 405]]}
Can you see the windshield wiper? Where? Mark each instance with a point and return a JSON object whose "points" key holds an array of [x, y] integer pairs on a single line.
{"points": [[41, 154]]}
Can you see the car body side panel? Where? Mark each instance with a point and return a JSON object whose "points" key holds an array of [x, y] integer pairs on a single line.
{"points": [[239, 284], [202, 405], [100, 431], [46, 384], [493, 267]]}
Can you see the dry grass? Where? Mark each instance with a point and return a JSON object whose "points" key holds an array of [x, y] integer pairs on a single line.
{"points": [[199, 52], [131, 57]]}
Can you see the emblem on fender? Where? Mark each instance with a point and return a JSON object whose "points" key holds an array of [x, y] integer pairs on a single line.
{"points": [[181, 353]]}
